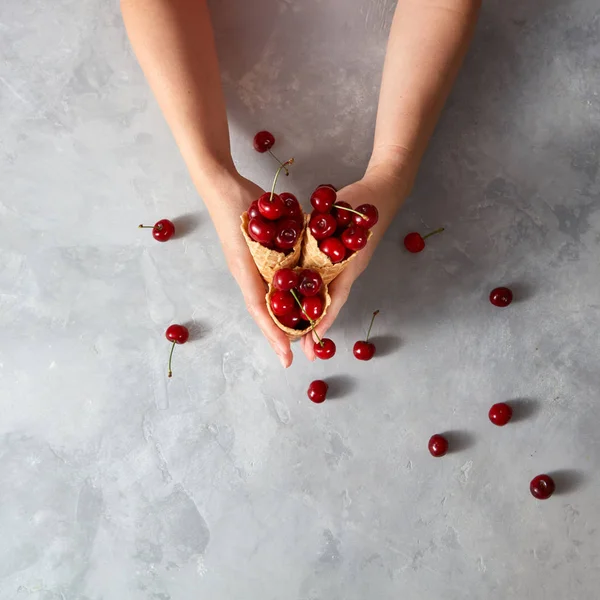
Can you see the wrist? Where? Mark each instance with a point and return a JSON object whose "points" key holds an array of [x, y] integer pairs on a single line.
{"points": [[394, 166]]}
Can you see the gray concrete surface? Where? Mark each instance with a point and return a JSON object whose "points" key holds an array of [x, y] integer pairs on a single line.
{"points": [[225, 482]]}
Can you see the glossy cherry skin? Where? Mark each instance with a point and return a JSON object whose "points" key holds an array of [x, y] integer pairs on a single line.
{"points": [[282, 303], [310, 283], [334, 249], [177, 333], [312, 306], [323, 198], [163, 230], [325, 351], [500, 414], [292, 319], [329, 185], [542, 487], [285, 279], [292, 207], [364, 350], [322, 225], [253, 210], [317, 391], [355, 237], [271, 208], [438, 445], [288, 232], [342, 217], [371, 216], [261, 231], [501, 297], [414, 242], [263, 141]]}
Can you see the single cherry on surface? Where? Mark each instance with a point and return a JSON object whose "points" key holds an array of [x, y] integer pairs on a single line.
{"points": [[310, 283], [317, 391], [323, 198], [322, 225], [364, 349], [261, 230], [415, 243], [288, 232], [162, 230], [263, 141], [325, 349], [312, 307], [542, 487], [285, 279], [368, 217], [500, 414], [501, 297], [438, 445], [355, 237], [282, 303], [176, 334], [334, 249]]}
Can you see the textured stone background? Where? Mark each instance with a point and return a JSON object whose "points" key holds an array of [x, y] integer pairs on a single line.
{"points": [[225, 482]]}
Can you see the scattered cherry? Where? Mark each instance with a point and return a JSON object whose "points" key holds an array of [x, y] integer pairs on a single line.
{"points": [[415, 243], [310, 283], [322, 225], [263, 141], [162, 230], [261, 231], [542, 487], [368, 217], [323, 198], [501, 297], [282, 303], [271, 206], [285, 280], [355, 237], [325, 349], [365, 350], [500, 414], [334, 249], [177, 334], [438, 445], [317, 391], [312, 307], [343, 217], [288, 232]]}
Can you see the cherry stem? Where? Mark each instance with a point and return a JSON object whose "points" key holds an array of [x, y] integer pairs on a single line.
{"points": [[371, 325], [284, 168], [433, 233], [312, 323], [281, 167], [351, 210], [170, 358], [159, 227]]}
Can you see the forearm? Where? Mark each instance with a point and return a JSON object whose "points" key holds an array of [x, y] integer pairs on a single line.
{"points": [[174, 43], [427, 44]]}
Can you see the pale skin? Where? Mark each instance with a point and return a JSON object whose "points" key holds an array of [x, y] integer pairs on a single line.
{"points": [[174, 43]]}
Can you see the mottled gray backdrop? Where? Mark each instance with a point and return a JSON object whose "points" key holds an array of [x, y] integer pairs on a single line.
{"points": [[225, 482]]}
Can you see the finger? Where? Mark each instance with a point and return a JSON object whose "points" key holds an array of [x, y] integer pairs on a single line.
{"points": [[277, 338]]}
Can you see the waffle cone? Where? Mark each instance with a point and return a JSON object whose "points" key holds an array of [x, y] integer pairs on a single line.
{"points": [[268, 261], [313, 258], [295, 334]]}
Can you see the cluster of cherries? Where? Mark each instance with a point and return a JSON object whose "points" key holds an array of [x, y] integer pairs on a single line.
{"points": [[339, 229]]}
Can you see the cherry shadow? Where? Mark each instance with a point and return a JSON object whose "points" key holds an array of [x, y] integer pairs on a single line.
{"points": [[196, 330], [521, 291], [340, 386], [523, 409], [385, 344], [567, 480], [459, 440], [186, 224]]}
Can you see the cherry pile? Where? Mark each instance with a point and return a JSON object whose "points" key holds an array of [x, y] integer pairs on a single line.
{"points": [[339, 229], [296, 301]]}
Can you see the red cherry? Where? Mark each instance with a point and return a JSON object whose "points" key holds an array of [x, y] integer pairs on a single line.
{"points": [[317, 391], [263, 141], [328, 185], [334, 249], [542, 487], [177, 334], [343, 217], [285, 279], [271, 206], [501, 297], [261, 231], [325, 349], [292, 319], [438, 445], [292, 207], [322, 225], [365, 350], [355, 237], [253, 211], [415, 243], [312, 307], [310, 283], [370, 218], [282, 303], [288, 232], [500, 414], [323, 198], [162, 230]]}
